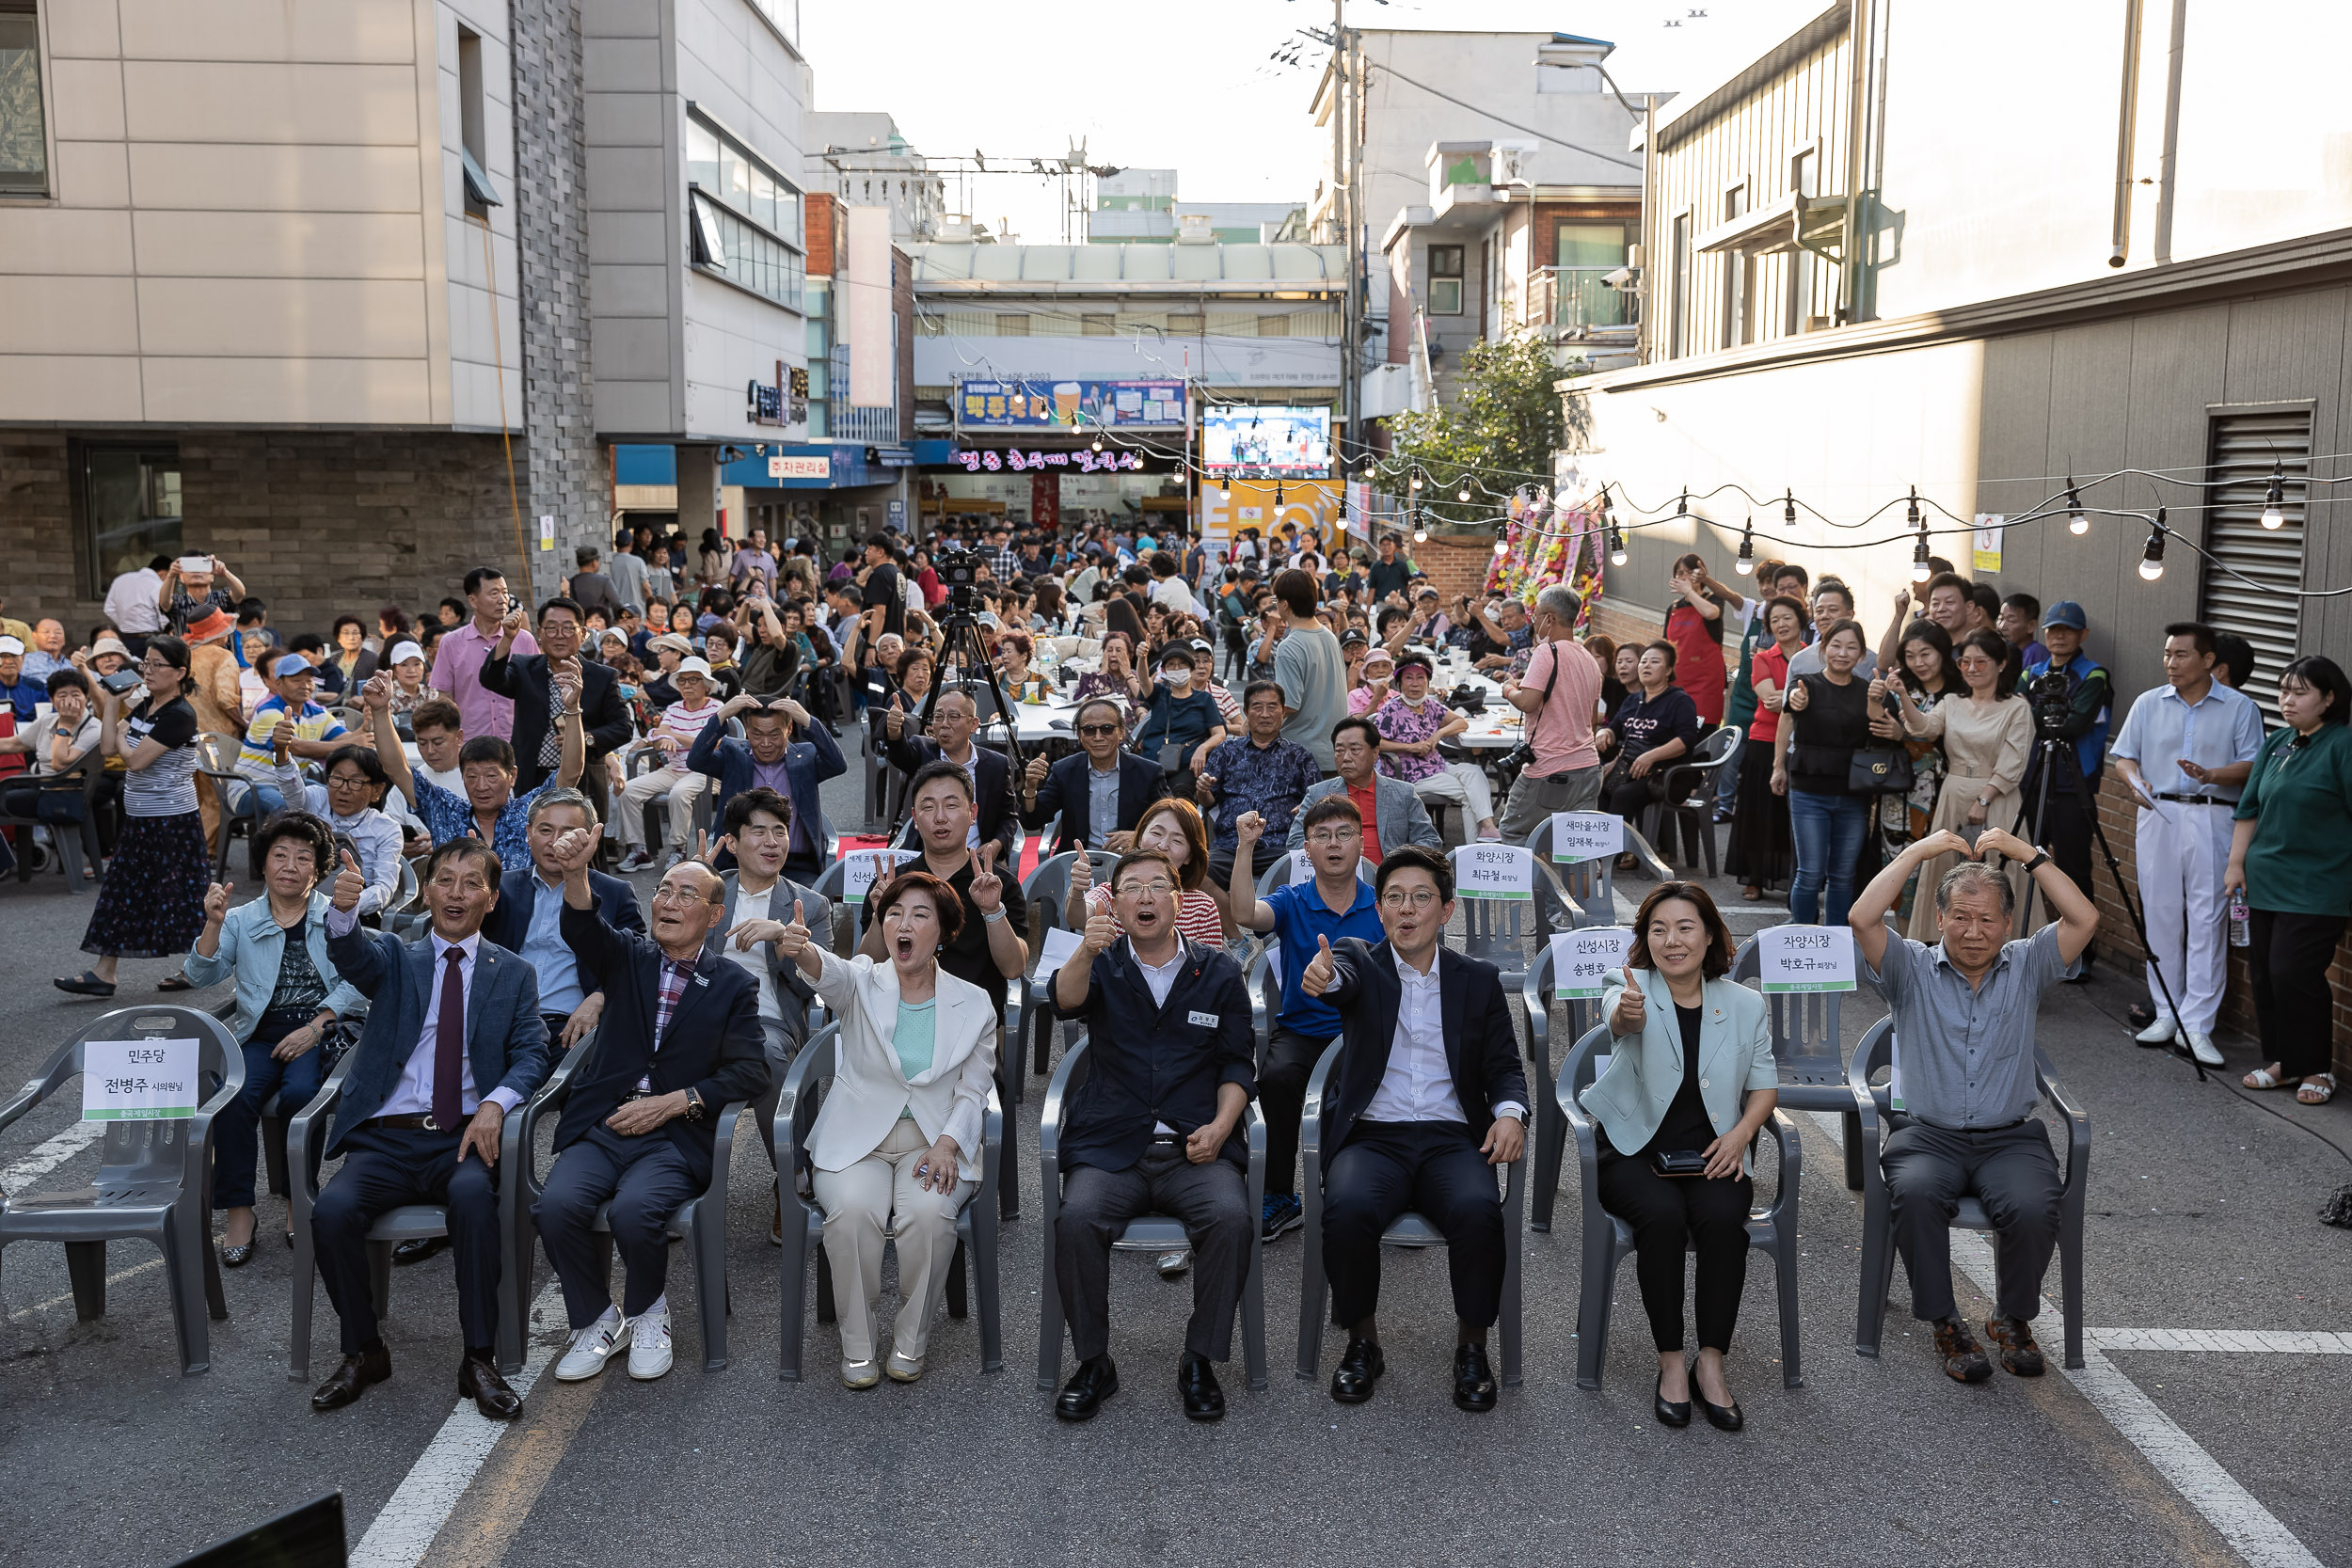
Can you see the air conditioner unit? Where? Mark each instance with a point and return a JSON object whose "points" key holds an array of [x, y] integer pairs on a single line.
{"points": [[1513, 162]]}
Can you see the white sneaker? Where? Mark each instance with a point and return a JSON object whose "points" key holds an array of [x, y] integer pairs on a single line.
{"points": [[2202, 1047], [2157, 1033], [636, 860], [650, 1345], [903, 1368], [592, 1346]]}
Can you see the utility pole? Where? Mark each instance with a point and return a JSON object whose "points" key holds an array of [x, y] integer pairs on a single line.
{"points": [[1347, 217]]}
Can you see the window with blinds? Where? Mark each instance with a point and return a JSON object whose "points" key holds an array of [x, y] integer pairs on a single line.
{"points": [[2251, 574]]}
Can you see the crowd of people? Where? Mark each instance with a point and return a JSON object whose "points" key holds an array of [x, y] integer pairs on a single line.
{"points": [[674, 710]]}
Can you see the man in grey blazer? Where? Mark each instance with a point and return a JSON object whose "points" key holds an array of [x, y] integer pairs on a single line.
{"points": [[453, 1043], [1399, 817], [760, 899]]}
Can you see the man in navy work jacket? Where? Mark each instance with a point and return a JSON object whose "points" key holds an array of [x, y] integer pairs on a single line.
{"points": [[1427, 1097], [680, 1039], [1154, 1128], [781, 749], [454, 1043]]}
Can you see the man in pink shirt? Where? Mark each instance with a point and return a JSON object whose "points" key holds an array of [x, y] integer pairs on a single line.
{"points": [[1566, 774], [457, 662]]}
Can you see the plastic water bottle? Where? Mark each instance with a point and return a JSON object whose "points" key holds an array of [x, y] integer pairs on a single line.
{"points": [[2240, 933]]}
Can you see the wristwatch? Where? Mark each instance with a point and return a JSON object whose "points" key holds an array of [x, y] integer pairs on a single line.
{"points": [[2040, 859], [693, 1105]]}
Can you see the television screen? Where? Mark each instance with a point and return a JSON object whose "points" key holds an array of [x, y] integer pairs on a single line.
{"points": [[1292, 443]]}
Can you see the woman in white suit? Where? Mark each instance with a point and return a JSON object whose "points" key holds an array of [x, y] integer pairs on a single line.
{"points": [[897, 1142], [1689, 1081]]}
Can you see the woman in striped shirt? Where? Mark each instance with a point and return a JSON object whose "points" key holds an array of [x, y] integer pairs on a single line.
{"points": [[1173, 827]]}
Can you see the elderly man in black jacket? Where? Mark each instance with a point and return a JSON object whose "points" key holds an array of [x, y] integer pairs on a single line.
{"points": [[528, 682], [1155, 1127], [954, 721], [1099, 790], [680, 1038], [1428, 1096]]}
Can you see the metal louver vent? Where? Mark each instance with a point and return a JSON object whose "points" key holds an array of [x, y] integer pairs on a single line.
{"points": [[2249, 582]]}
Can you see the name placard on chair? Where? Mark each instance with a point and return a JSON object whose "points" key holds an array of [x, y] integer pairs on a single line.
{"points": [[138, 1080], [1804, 959], [1582, 961], [861, 868], [1585, 835], [1494, 871]]}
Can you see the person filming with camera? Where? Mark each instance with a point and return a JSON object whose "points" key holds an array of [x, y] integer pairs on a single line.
{"points": [[2073, 696]]}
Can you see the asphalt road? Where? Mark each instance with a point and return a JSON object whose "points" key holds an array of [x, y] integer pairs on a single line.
{"points": [[2203, 1217]]}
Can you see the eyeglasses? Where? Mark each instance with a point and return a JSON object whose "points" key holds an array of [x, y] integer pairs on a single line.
{"points": [[1328, 836], [1153, 889], [678, 895], [1419, 898], [1098, 729]]}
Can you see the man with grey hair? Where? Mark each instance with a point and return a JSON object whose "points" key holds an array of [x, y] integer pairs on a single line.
{"points": [[530, 915], [1559, 694], [1962, 1118]]}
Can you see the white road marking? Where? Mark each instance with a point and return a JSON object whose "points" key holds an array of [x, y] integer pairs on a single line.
{"points": [[49, 1156], [2234, 1341], [2252, 1531], [112, 1280], [400, 1535]]}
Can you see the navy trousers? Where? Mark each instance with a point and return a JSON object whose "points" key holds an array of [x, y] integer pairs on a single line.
{"points": [[645, 1180], [384, 1168], [236, 1132], [1433, 1168]]}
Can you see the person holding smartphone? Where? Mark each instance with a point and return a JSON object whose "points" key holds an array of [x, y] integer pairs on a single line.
{"points": [[1690, 1083]]}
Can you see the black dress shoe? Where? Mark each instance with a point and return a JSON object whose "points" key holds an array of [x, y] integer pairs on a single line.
{"points": [[479, 1382], [1196, 1379], [1723, 1417], [235, 1257], [1089, 1387], [1670, 1413], [1358, 1370], [351, 1378], [417, 1251], [1474, 1383]]}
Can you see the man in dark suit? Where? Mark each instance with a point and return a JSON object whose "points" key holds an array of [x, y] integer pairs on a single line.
{"points": [[954, 721], [1427, 1097], [1099, 791], [453, 1043], [781, 749], [1154, 1128], [527, 682], [680, 1039]]}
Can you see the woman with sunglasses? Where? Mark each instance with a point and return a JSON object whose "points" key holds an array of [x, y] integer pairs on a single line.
{"points": [[151, 903]]}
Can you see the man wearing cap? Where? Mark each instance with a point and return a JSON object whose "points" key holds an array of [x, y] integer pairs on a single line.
{"points": [[21, 692], [682, 725], [2089, 701], [194, 586], [316, 731]]}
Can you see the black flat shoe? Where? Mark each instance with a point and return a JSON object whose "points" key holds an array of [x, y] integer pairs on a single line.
{"points": [[85, 984], [1723, 1417], [1196, 1379], [1089, 1387], [1359, 1369], [1670, 1413], [1474, 1384], [350, 1380], [479, 1382], [235, 1257], [417, 1250]]}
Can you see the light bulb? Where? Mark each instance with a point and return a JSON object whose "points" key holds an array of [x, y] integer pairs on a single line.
{"points": [[2274, 514], [2152, 558], [1421, 535], [1921, 569], [1098, 443], [1745, 565], [1616, 545], [1502, 547], [1224, 491], [2273, 517], [2151, 569], [1416, 482], [1463, 494]]}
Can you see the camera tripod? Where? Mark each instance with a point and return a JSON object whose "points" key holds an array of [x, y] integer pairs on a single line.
{"points": [[2051, 754], [960, 629]]}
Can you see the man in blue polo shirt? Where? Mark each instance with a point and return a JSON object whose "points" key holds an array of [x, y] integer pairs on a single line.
{"points": [[1336, 903]]}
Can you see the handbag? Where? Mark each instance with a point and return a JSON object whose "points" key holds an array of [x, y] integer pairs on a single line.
{"points": [[1879, 772]]}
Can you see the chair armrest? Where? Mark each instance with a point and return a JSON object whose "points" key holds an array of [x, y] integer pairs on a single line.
{"points": [[2077, 1118], [1570, 907], [1050, 1113], [1310, 1114], [306, 1134], [523, 1130], [811, 1063], [1783, 1131], [722, 1153], [61, 1067]]}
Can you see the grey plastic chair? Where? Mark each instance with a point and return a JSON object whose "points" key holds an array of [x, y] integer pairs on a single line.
{"points": [[1591, 883], [1689, 803], [305, 1146], [1152, 1234], [805, 1222], [1410, 1230], [1047, 892], [216, 760], [1608, 1238], [1805, 1047], [76, 844], [1552, 1128], [700, 1222], [154, 1179], [1875, 1054], [1499, 929]]}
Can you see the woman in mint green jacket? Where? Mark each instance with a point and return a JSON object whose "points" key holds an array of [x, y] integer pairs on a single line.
{"points": [[288, 992], [1689, 1073]]}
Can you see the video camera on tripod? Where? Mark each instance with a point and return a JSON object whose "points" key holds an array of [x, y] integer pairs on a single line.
{"points": [[2053, 705], [959, 571]]}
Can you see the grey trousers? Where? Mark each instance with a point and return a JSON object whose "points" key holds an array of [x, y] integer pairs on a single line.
{"points": [[1533, 799], [2011, 1170], [1211, 1201]]}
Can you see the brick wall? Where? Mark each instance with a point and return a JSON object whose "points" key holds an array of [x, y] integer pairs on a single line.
{"points": [[560, 464], [314, 523]]}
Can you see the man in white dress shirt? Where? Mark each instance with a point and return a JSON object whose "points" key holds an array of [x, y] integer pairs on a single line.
{"points": [[2184, 752], [1427, 1097]]}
